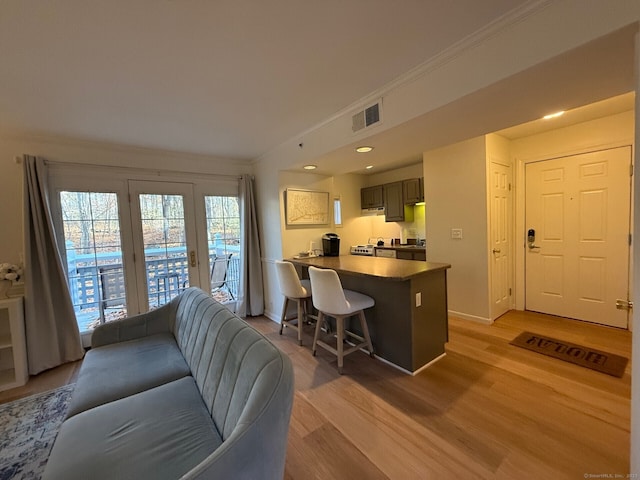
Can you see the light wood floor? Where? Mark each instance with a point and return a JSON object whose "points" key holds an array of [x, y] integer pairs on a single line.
{"points": [[487, 410]]}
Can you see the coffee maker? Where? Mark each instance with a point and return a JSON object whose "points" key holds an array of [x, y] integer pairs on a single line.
{"points": [[330, 245]]}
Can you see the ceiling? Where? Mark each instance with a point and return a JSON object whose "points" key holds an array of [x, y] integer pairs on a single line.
{"points": [[236, 78], [229, 78]]}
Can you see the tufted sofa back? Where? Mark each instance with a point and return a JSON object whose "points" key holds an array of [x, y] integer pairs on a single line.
{"points": [[245, 381]]}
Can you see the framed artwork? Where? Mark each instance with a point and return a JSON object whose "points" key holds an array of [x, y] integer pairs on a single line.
{"points": [[306, 207]]}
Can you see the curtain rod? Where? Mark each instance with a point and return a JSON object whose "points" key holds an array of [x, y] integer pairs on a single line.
{"points": [[158, 172]]}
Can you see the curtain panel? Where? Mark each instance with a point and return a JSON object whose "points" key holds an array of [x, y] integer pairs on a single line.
{"points": [[251, 302], [51, 330]]}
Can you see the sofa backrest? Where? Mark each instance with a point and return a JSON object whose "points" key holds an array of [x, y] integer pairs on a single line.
{"points": [[246, 382]]}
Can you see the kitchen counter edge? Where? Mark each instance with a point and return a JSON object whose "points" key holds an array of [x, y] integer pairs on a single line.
{"points": [[385, 268]]}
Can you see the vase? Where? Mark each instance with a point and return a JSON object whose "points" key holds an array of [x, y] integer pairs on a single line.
{"points": [[5, 285]]}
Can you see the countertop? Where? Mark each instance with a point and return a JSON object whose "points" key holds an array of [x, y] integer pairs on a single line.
{"points": [[385, 268]]}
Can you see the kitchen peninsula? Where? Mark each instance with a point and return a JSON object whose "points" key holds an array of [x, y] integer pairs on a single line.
{"points": [[408, 323]]}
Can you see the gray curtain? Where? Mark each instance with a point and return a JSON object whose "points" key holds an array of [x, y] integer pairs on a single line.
{"points": [[52, 333], [251, 301]]}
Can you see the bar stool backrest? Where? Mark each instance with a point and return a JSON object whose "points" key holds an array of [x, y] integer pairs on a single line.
{"points": [[328, 295], [290, 285]]}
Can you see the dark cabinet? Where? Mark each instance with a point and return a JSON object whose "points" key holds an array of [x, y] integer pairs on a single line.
{"points": [[413, 190], [395, 209], [411, 255], [371, 197]]}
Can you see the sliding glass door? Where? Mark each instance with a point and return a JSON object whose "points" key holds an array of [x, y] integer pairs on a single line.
{"points": [[132, 245]]}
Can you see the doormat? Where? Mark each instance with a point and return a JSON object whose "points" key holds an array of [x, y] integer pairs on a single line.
{"points": [[598, 360]]}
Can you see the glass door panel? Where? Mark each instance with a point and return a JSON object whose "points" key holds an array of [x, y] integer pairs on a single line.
{"points": [[223, 239], [162, 214], [94, 258], [165, 246]]}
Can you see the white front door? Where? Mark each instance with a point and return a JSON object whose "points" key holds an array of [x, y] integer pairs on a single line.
{"points": [[577, 239], [500, 225]]}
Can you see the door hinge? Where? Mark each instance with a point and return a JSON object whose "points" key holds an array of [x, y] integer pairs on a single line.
{"points": [[624, 304], [509, 187], [509, 291], [630, 239], [631, 170], [134, 258]]}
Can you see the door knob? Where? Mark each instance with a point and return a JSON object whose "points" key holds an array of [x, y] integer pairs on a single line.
{"points": [[532, 246], [496, 250]]}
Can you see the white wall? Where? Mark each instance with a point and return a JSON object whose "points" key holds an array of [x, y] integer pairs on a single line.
{"points": [[456, 197]]}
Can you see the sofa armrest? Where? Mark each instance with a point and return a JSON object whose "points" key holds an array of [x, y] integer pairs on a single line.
{"points": [[137, 326], [257, 447]]}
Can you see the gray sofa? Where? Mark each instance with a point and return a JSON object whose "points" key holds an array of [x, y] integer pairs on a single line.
{"points": [[187, 391]]}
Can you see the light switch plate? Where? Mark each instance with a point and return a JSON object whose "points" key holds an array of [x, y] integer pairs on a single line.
{"points": [[456, 233]]}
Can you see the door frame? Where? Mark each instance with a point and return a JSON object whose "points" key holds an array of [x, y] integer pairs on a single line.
{"points": [[520, 227], [91, 177]]}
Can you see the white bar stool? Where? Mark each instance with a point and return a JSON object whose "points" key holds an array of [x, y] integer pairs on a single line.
{"points": [[330, 299], [294, 290]]}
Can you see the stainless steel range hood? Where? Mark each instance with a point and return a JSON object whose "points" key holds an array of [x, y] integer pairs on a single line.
{"points": [[372, 211]]}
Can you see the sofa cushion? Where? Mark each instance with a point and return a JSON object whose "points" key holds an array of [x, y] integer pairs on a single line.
{"points": [[160, 433], [121, 369]]}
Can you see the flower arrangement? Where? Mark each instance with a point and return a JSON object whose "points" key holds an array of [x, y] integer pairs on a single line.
{"points": [[9, 271]]}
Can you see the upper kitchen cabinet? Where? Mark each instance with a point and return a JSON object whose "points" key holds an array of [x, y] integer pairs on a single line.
{"points": [[394, 205], [371, 197], [413, 190]]}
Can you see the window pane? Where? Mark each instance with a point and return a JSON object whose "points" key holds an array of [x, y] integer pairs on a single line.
{"points": [[94, 257], [165, 250], [223, 235]]}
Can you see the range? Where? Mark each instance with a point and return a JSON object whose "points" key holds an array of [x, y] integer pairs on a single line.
{"points": [[367, 250]]}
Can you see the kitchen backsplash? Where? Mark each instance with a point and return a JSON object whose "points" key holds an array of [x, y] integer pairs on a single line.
{"points": [[402, 230]]}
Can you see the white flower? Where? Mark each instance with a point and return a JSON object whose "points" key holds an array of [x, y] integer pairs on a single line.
{"points": [[9, 271]]}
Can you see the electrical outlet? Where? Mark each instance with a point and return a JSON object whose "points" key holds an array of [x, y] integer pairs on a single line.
{"points": [[418, 299], [456, 233]]}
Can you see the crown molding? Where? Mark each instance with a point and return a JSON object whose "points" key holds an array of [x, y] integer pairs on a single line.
{"points": [[436, 62]]}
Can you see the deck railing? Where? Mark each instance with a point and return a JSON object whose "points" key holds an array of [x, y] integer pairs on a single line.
{"points": [[97, 282]]}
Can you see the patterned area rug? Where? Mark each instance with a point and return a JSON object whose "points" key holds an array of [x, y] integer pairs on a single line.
{"points": [[28, 428]]}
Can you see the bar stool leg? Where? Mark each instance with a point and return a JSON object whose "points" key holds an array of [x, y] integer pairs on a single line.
{"points": [[300, 320], [317, 333], [365, 331], [284, 313]]}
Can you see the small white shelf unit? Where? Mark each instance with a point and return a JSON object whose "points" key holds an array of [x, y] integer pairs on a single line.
{"points": [[13, 352]]}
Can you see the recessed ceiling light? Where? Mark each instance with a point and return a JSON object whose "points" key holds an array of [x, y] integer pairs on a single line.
{"points": [[369, 167], [310, 167], [364, 149], [553, 115]]}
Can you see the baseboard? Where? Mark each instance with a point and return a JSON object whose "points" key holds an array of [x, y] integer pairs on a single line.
{"points": [[272, 316], [473, 318], [427, 365], [404, 370]]}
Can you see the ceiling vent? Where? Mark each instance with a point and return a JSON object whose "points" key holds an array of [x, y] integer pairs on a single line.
{"points": [[366, 118]]}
